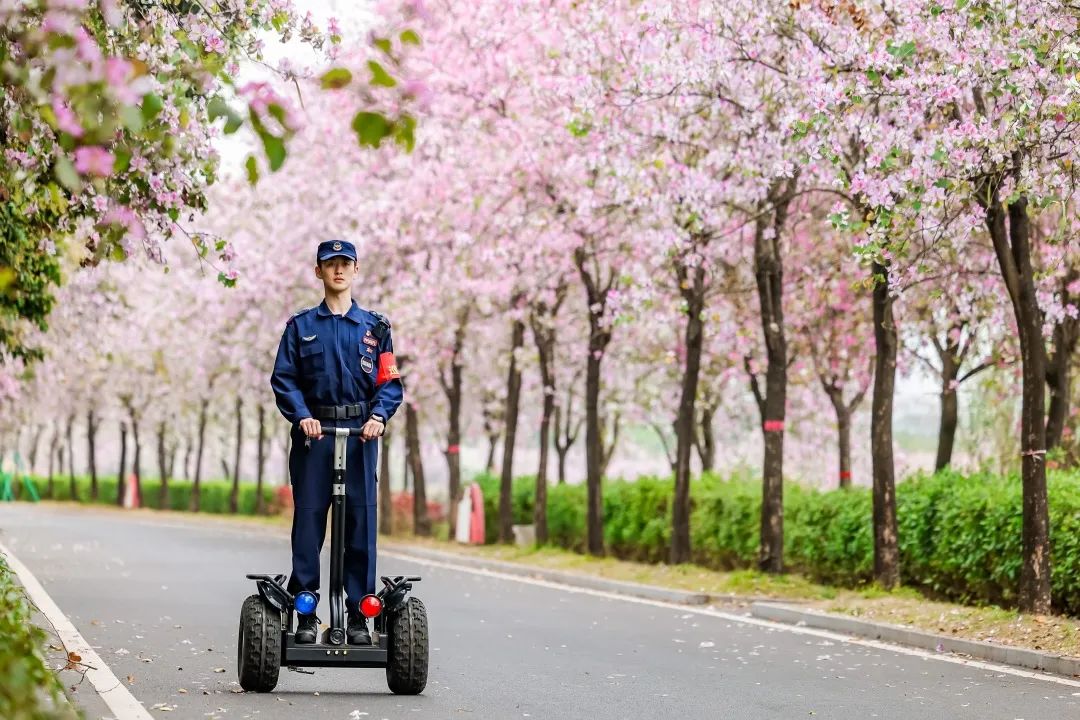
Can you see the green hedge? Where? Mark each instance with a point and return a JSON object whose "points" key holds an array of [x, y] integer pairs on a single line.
{"points": [[27, 685], [959, 535], [213, 495]]}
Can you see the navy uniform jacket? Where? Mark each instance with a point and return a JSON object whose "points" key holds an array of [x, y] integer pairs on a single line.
{"points": [[327, 359]]}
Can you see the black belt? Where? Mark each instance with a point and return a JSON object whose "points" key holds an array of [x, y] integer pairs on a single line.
{"points": [[341, 412]]}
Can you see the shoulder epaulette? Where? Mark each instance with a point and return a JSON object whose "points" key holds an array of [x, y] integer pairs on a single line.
{"points": [[382, 325], [298, 313]]}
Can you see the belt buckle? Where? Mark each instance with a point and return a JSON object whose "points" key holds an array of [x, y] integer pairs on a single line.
{"points": [[340, 413]]}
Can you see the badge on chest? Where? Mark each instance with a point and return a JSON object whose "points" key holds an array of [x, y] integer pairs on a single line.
{"points": [[367, 365]]}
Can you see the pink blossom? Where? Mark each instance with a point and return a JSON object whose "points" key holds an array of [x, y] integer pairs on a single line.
{"points": [[214, 44], [94, 160], [66, 120]]}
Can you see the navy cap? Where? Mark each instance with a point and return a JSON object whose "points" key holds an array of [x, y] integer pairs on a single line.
{"points": [[336, 248]]}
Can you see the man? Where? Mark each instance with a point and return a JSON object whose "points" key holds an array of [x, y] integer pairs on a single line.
{"points": [[335, 364]]}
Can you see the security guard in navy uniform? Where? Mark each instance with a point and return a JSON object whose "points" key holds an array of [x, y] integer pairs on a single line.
{"points": [[335, 364]]}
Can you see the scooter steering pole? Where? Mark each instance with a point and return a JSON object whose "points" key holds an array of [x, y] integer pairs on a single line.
{"points": [[337, 534]]}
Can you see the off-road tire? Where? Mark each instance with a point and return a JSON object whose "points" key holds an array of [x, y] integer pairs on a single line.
{"points": [[258, 647], [407, 655]]}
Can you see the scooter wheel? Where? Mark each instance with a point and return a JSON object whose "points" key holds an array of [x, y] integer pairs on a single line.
{"points": [[407, 664], [258, 649]]}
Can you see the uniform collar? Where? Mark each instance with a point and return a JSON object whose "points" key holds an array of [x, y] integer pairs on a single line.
{"points": [[354, 313]]}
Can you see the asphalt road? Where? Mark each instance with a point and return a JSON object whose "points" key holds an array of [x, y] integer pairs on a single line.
{"points": [[159, 596]]}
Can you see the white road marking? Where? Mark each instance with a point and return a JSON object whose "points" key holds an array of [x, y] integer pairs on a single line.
{"points": [[744, 619], [115, 694]]}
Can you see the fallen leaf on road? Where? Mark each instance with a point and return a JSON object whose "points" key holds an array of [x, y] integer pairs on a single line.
{"points": [[131, 679], [707, 643], [122, 651], [147, 660], [237, 690], [73, 656], [316, 693], [219, 669], [55, 647]]}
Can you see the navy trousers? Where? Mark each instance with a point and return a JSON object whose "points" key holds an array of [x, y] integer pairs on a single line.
{"points": [[311, 474]]}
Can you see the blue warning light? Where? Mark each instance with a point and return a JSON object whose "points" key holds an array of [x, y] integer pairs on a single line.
{"points": [[305, 602]]}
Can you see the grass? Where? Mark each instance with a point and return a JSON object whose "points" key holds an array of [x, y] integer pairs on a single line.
{"points": [[902, 606]]}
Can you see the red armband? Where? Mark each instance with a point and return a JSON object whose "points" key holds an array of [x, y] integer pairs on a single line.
{"points": [[387, 369]]}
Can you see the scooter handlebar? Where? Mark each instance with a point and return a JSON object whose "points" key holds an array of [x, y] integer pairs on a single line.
{"points": [[333, 430]]}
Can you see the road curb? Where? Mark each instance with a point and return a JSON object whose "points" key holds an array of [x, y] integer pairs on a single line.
{"points": [[648, 592], [1005, 655]]}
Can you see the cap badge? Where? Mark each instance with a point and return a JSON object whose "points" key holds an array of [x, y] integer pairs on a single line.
{"points": [[337, 246]]}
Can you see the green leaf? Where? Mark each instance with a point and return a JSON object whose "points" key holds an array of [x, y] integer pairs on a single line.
{"points": [[278, 113], [252, 170], [405, 132], [132, 118], [409, 37], [900, 52], [217, 107], [151, 106], [578, 128], [379, 76], [66, 174], [384, 45], [275, 150], [370, 128], [336, 78], [123, 159]]}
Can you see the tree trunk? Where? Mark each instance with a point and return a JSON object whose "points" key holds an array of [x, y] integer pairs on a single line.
{"points": [[452, 389], [71, 456], [421, 521], [173, 449], [1013, 250], [599, 337], [843, 433], [91, 452], [692, 283], [196, 501], [705, 441], [1059, 370], [386, 505], [886, 548], [53, 443], [489, 465], [565, 433], [769, 276], [120, 485], [163, 467], [260, 462], [35, 440], [189, 447], [544, 346], [136, 466], [950, 411], [843, 413], [513, 397], [234, 496], [406, 457]]}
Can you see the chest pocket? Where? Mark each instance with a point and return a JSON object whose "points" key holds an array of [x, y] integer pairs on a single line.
{"points": [[312, 357]]}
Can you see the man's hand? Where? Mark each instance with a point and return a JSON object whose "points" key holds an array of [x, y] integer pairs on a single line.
{"points": [[311, 427], [372, 429]]}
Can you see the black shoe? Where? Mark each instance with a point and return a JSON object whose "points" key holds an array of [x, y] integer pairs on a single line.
{"points": [[357, 632], [306, 629]]}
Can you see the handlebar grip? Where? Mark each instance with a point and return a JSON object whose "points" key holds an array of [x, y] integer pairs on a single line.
{"points": [[333, 430]]}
